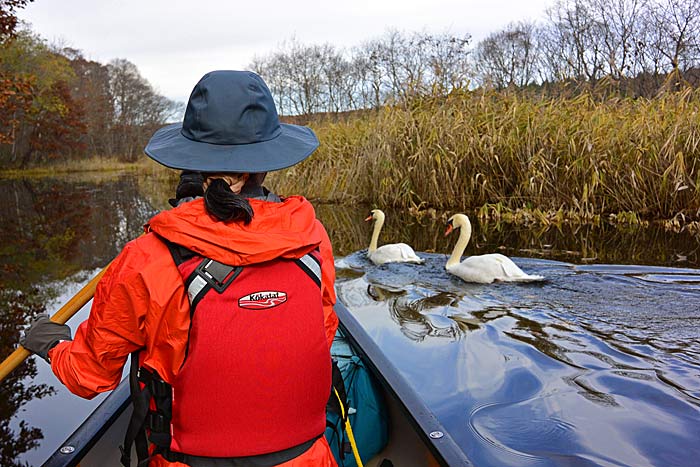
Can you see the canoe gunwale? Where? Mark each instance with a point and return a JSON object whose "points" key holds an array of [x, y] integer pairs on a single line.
{"points": [[92, 429]]}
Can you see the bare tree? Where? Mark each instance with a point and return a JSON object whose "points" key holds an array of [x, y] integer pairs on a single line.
{"points": [[508, 57], [335, 82], [448, 58], [636, 42], [573, 36], [297, 72], [368, 71], [387, 54], [678, 25], [137, 107], [620, 27], [270, 68], [306, 79]]}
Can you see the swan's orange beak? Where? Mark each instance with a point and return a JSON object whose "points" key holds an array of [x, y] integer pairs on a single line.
{"points": [[448, 230], [369, 218]]}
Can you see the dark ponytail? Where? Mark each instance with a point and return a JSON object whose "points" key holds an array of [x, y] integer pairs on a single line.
{"points": [[226, 205]]}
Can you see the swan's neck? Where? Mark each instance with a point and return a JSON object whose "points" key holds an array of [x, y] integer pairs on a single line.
{"points": [[375, 234], [465, 233]]}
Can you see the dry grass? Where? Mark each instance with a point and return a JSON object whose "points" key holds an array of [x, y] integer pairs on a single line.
{"points": [[93, 164], [577, 159]]}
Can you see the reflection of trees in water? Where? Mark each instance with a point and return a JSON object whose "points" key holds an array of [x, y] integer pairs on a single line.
{"points": [[39, 231], [440, 315], [435, 315], [346, 227], [536, 335], [158, 187], [51, 229], [550, 342], [603, 243], [600, 244], [17, 389], [55, 227]]}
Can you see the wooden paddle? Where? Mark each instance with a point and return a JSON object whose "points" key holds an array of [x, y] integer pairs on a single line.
{"points": [[65, 313]]}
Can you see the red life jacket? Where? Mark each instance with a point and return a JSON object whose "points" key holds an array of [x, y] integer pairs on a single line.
{"points": [[257, 371]]}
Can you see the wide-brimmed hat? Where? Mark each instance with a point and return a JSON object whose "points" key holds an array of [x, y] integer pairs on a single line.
{"points": [[231, 125]]}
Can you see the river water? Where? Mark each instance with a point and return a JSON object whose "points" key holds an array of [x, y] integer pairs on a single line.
{"points": [[597, 365]]}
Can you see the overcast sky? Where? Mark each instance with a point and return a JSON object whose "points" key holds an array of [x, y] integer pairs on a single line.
{"points": [[173, 43]]}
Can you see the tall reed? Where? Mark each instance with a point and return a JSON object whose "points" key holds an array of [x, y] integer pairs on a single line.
{"points": [[580, 156]]}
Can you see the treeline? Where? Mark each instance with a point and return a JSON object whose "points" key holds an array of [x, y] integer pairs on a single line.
{"points": [[633, 47], [55, 103]]}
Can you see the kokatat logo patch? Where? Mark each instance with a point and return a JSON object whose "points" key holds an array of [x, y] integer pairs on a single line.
{"points": [[261, 300]]}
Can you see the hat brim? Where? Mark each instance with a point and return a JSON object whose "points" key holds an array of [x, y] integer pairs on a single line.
{"points": [[292, 145]]}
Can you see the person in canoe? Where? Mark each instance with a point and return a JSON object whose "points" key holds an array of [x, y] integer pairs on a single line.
{"points": [[225, 304]]}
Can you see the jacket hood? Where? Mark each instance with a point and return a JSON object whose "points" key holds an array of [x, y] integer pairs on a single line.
{"points": [[288, 229]]}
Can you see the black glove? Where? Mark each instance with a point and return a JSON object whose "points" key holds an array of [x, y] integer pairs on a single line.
{"points": [[43, 334]]}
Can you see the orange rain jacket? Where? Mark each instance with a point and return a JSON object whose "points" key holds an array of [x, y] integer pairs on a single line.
{"points": [[141, 302]]}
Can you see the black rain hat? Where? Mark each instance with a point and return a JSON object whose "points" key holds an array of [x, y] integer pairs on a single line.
{"points": [[231, 125]]}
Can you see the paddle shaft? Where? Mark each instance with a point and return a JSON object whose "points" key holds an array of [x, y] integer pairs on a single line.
{"points": [[65, 313]]}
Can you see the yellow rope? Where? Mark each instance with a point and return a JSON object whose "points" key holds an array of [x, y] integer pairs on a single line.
{"points": [[348, 428]]}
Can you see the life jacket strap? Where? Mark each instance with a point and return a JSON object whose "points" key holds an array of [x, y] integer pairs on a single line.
{"points": [[311, 265], [260, 460], [337, 384], [157, 422], [136, 430], [211, 274]]}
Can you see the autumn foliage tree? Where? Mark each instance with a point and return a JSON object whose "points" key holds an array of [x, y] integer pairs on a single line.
{"points": [[48, 122], [15, 91], [56, 130], [56, 105], [15, 99], [8, 17]]}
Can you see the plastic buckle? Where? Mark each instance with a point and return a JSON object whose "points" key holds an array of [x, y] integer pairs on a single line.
{"points": [[218, 275], [156, 422]]}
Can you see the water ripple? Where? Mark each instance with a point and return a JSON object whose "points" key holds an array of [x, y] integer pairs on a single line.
{"points": [[600, 365]]}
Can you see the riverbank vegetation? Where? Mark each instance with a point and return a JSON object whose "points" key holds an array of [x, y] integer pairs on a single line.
{"points": [[578, 158], [72, 166]]}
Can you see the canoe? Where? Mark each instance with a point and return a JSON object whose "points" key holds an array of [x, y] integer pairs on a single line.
{"points": [[416, 436]]}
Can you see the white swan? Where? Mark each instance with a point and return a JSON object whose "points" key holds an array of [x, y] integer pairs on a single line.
{"points": [[483, 269], [389, 253]]}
